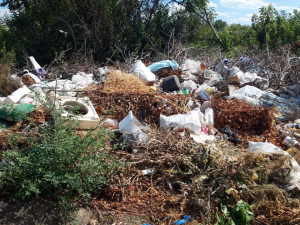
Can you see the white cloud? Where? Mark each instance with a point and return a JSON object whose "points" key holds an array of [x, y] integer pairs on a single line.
{"points": [[227, 14], [286, 8], [175, 7], [242, 20], [211, 4], [4, 11], [243, 4]]}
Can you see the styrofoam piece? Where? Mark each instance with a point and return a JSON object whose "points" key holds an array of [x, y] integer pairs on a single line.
{"points": [[34, 63], [16, 95], [87, 121]]}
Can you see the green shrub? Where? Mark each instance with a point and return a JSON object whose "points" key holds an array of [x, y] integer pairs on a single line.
{"points": [[241, 214], [57, 162]]}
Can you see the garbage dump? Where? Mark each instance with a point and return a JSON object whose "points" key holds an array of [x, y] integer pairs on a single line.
{"points": [[190, 130]]}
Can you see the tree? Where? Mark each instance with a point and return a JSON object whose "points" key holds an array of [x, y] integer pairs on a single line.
{"points": [[200, 8]]}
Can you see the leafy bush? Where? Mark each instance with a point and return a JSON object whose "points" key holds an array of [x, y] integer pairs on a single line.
{"points": [[57, 162], [241, 214]]}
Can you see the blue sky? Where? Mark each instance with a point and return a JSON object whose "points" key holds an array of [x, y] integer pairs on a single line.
{"points": [[241, 11], [238, 11]]}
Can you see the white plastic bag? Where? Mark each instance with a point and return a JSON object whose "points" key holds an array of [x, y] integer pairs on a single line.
{"points": [[189, 84], [293, 179], [193, 120], [248, 94], [142, 72], [246, 77], [191, 66], [130, 124]]}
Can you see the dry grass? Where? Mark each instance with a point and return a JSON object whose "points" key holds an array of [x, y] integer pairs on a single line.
{"points": [[124, 83], [7, 85]]}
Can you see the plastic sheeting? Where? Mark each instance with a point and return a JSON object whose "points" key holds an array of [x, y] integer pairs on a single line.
{"points": [[193, 120], [293, 179], [163, 64]]}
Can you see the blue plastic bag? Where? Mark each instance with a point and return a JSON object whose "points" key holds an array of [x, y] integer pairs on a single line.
{"points": [[163, 64]]}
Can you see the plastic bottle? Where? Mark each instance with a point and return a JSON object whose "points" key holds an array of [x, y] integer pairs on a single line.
{"points": [[209, 116], [185, 91], [288, 141]]}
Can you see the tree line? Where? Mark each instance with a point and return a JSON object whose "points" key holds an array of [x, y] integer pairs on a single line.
{"points": [[104, 29]]}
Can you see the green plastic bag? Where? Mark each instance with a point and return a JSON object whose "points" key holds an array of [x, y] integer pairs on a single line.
{"points": [[16, 112]]}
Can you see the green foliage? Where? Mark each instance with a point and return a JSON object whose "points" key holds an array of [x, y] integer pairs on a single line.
{"points": [[57, 162], [220, 25], [241, 214], [104, 28], [226, 40]]}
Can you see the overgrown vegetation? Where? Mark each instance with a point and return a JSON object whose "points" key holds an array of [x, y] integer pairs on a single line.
{"points": [[57, 162]]}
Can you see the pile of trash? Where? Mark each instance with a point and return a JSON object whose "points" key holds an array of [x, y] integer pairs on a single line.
{"points": [[177, 126]]}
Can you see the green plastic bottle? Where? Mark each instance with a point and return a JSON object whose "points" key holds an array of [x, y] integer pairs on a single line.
{"points": [[185, 91]]}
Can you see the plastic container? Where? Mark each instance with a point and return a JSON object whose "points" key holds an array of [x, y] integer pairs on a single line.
{"points": [[171, 83]]}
